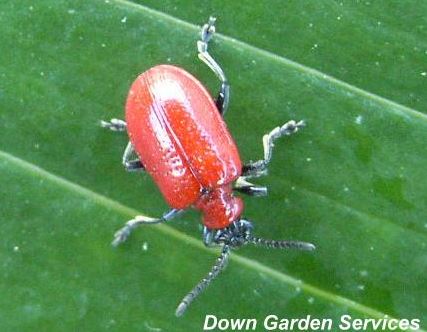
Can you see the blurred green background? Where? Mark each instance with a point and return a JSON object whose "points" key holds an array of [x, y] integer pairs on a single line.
{"points": [[353, 182]]}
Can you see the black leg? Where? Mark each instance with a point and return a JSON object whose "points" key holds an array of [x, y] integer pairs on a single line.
{"points": [[130, 160], [114, 125], [123, 233], [207, 32], [259, 167], [245, 187]]}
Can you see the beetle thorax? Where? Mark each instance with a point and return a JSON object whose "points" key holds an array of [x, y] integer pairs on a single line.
{"points": [[219, 207]]}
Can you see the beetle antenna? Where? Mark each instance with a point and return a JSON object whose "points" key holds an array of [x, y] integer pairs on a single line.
{"points": [[219, 266], [281, 244]]}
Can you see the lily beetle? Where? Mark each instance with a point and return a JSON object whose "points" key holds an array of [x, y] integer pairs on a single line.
{"points": [[177, 135]]}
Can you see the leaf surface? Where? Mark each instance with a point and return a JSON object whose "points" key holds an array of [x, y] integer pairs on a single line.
{"points": [[353, 182], [364, 43]]}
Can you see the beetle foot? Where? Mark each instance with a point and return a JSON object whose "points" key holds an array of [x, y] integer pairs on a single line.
{"points": [[248, 188], [259, 168], [121, 235], [291, 127], [208, 30], [114, 124], [255, 169]]}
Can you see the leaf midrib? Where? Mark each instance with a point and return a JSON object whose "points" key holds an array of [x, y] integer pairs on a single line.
{"points": [[247, 262], [393, 107]]}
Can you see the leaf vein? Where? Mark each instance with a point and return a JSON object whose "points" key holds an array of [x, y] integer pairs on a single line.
{"points": [[391, 106], [247, 262]]}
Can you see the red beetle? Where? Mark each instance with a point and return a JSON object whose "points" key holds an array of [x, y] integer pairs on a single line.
{"points": [[177, 134]]}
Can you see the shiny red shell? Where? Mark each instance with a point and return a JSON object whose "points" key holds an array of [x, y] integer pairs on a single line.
{"points": [[184, 144]]}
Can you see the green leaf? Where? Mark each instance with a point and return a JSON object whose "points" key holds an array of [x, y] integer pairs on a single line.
{"points": [[365, 43], [353, 182]]}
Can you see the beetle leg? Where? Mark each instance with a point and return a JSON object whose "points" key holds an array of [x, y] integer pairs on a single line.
{"points": [[114, 125], [245, 187], [207, 236], [130, 160], [123, 233], [258, 168], [207, 32]]}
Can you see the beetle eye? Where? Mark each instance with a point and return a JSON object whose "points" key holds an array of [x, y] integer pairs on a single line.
{"points": [[204, 191]]}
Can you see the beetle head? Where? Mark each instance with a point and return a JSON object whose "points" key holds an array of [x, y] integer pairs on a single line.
{"points": [[237, 234]]}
